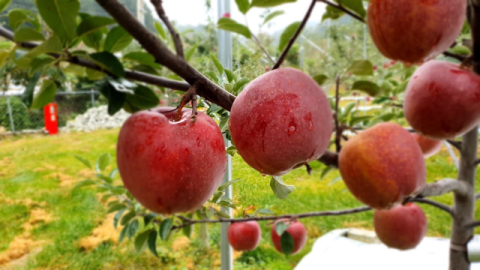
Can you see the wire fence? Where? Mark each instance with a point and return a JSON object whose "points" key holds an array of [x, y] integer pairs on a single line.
{"points": [[16, 117]]}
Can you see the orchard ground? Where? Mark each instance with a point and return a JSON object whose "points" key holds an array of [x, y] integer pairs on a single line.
{"points": [[67, 228]]}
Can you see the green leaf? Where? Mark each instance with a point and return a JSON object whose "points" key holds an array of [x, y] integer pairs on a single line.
{"points": [[141, 240], [161, 31], [272, 15], [3, 56], [217, 64], [40, 62], [122, 85], [45, 95], [354, 5], [348, 109], [18, 16], [51, 45], [93, 40], [143, 98], [103, 161], [332, 13], [84, 161], [325, 172], [227, 184], [287, 34], [93, 24], [108, 61], [133, 228], [142, 58], [123, 233], [190, 52], [165, 228], [280, 189], [187, 231], [230, 75], [281, 227], [265, 212], [270, 3], [116, 207], [286, 243], [243, 6], [116, 99], [4, 4], [117, 217], [361, 67], [320, 79], [239, 84], [232, 150], [216, 196], [84, 184], [27, 34], [148, 218], [60, 16], [127, 217], [117, 39], [27, 96], [221, 214], [230, 25], [152, 242], [461, 50], [370, 88]]}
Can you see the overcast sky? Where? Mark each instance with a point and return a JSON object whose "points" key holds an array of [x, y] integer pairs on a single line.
{"points": [[194, 12]]}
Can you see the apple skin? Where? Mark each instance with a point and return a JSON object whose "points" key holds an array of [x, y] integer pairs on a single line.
{"points": [[382, 165], [280, 121], [402, 227], [244, 236], [414, 31], [429, 147], [442, 101], [296, 230], [171, 167]]}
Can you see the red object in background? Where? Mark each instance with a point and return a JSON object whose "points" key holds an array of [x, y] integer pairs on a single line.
{"points": [[226, 15], [51, 119]]}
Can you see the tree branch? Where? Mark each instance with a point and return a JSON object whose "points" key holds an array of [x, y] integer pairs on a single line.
{"points": [[445, 186], [456, 144], [455, 56], [340, 7], [188, 221], [436, 204], [295, 36], [329, 158], [177, 39], [165, 57], [131, 75], [338, 130]]}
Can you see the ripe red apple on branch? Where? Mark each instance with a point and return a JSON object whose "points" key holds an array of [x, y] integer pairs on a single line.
{"points": [[414, 31], [171, 166], [244, 236], [281, 120], [402, 227], [382, 165], [442, 100], [429, 147]]}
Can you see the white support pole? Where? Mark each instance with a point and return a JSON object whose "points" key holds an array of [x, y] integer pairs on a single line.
{"points": [[225, 57], [141, 11], [10, 114]]}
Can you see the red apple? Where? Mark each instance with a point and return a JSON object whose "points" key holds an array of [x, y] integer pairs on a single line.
{"points": [[402, 227], [429, 147], [280, 121], [414, 31], [442, 100], [296, 230], [382, 165], [168, 166], [226, 15], [244, 236]]}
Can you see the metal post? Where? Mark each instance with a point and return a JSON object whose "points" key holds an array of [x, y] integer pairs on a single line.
{"points": [[225, 57], [10, 114], [92, 95]]}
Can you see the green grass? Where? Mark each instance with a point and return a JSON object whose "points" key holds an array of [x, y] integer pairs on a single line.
{"points": [[27, 167]]}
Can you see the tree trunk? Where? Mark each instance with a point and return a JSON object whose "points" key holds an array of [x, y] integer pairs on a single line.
{"points": [[464, 206]]}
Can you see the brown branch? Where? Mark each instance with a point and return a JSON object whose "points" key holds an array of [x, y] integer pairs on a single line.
{"points": [[444, 186], [295, 36], [188, 221], [340, 7], [472, 224], [455, 56], [131, 75], [436, 204], [338, 130], [263, 48], [456, 144], [329, 158], [164, 56], [177, 39]]}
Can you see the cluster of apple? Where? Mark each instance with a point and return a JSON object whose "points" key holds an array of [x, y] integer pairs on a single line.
{"points": [[283, 120]]}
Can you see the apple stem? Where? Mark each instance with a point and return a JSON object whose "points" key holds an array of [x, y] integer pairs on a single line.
{"points": [[190, 95]]}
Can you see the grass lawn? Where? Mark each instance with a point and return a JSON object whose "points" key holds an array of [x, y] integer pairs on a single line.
{"points": [[39, 207]]}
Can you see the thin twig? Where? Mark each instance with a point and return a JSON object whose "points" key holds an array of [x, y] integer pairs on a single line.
{"points": [[436, 204], [263, 48], [456, 144], [472, 224], [455, 56], [295, 36], [340, 7], [188, 221], [177, 39], [190, 95], [338, 130]]}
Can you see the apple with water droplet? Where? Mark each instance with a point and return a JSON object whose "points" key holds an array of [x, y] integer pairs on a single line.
{"points": [[281, 121], [171, 166]]}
